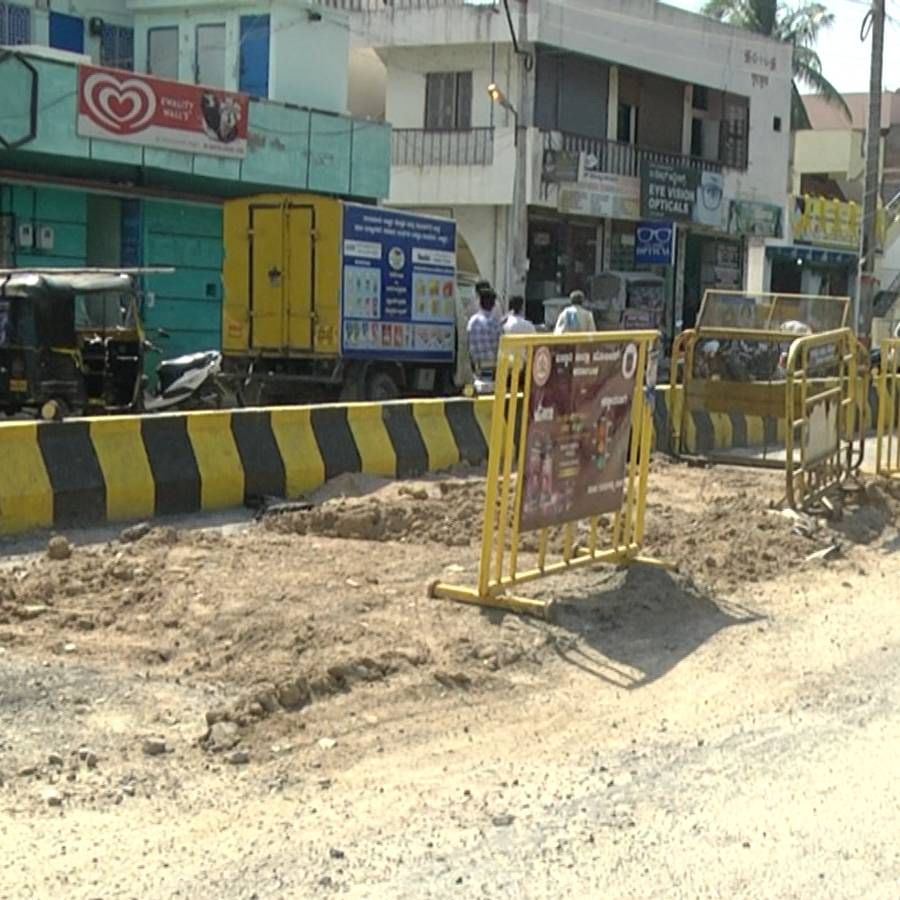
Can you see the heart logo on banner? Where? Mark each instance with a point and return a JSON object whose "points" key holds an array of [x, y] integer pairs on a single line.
{"points": [[124, 106]]}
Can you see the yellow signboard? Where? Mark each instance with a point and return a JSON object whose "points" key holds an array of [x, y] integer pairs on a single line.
{"points": [[831, 222]]}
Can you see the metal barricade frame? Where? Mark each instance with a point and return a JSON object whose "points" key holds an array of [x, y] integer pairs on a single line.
{"points": [[887, 448], [812, 472], [501, 550], [741, 317]]}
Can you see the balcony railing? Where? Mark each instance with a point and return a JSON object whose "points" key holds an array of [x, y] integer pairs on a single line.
{"points": [[418, 147], [390, 5], [623, 159]]}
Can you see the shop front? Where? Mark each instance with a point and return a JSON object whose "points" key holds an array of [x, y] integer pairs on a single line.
{"points": [[823, 259], [588, 230], [818, 271]]}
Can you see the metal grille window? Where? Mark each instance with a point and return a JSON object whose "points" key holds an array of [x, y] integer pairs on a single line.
{"points": [[15, 24], [117, 47], [448, 101], [735, 134]]}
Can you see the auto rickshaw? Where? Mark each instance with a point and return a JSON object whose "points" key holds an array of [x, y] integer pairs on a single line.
{"points": [[71, 342]]}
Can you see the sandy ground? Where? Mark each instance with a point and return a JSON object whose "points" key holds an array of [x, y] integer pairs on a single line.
{"points": [[276, 709]]}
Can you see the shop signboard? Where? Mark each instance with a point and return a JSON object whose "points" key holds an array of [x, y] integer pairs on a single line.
{"points": [[155, 112], [602, 195], [654, 244], [579, 424], [560, 166], [835, 223], [752, 219], [399, 285], [683, 194]]}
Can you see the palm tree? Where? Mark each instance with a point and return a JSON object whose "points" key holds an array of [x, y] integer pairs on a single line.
{"points": [[799, 27]]}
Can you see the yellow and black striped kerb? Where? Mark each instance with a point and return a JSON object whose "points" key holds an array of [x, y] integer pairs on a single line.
{"points": [[91, 471], [116, 469], [707, 431]]}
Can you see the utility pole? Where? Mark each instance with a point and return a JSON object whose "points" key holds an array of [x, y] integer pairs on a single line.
{"points": [[868, 229]]}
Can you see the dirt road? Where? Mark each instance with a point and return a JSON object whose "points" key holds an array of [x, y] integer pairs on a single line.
{"points": [[278, 711]]}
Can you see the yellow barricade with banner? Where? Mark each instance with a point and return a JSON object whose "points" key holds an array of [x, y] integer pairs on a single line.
{"points": [[887, 454], [571, 437], [825, 432], [731, 367]]}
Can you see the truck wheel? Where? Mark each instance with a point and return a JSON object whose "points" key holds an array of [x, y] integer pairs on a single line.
{"points": [[382, 385]]}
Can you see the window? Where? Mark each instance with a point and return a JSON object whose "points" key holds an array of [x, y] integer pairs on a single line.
{"points": [[735, 133], [15, 24], [209, 56], [253, 67], [162, 52], [626, 129], [117, 47], [701, 97], [7, 247], [448, 100], [697, 137]]}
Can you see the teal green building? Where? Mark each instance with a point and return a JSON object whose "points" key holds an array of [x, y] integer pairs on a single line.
{"points": [[68, 198]]}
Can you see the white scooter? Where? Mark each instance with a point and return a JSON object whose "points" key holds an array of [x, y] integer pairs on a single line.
{"points": [[187, 382]]}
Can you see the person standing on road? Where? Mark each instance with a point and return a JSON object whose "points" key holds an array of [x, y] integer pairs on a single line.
{"points": [[515, 321], [575, 318], [484, 331]]}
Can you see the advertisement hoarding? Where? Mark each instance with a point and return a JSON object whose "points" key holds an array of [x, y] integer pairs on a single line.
{"points": [[154, 112], [399, 285], [683, 194]]}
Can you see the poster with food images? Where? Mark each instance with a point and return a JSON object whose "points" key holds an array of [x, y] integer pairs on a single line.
{"points": [[398, 285], [579, 420]]}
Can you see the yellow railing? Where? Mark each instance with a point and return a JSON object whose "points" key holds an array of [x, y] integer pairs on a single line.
{"points": [[824, 416], [887, 453], [571, 437]]}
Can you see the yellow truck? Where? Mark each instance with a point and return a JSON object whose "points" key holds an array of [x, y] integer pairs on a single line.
{"points": [[327, 299]]}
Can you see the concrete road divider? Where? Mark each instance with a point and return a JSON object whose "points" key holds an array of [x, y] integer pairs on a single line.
{"points": [[92, 471], [122, 468]]}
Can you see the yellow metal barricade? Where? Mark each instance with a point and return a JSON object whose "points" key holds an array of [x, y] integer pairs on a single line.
{"points": [[544, 422], [824, 411], [727, 374], [887, 454]]}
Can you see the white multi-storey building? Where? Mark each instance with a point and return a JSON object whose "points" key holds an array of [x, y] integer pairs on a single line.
{"points": [[605, 114]]}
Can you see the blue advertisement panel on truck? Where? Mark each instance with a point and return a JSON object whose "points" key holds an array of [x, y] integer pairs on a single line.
{"points": [[399, 285]]}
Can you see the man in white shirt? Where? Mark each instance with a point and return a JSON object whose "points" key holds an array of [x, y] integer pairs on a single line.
{"points": [[515, 321], [575, 318]]}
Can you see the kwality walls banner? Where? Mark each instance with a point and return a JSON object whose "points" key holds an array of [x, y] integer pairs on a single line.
{"points": [[683, 194], [155, 112]]}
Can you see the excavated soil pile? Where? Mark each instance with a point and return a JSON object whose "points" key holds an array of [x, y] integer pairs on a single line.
{"points": [[313, 604]]}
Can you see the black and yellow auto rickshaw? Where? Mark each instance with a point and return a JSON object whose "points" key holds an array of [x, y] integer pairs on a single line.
{"points": [[71, 342]]}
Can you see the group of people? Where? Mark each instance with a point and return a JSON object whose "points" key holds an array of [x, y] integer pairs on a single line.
{"points": [[485, 329]]}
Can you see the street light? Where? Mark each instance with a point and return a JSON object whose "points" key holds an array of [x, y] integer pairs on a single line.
{"points": [[498, 97]]}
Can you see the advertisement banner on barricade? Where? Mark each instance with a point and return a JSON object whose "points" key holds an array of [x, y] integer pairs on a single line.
{"points": [[577, 437]]}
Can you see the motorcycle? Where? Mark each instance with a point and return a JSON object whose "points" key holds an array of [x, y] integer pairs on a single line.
{"points": [[187, 382]]}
